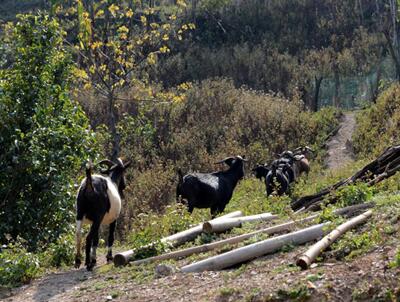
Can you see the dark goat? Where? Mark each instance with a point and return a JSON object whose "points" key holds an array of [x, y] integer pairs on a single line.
{"points": [[277, 179], [260, 171], [210, 190], [99, 202]]}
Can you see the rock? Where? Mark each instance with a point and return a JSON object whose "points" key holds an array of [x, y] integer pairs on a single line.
{"points": [[109, 298], [163, 270]]}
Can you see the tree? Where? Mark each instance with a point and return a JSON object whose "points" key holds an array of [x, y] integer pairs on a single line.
{"points": [[44, 136], [117, 42]]}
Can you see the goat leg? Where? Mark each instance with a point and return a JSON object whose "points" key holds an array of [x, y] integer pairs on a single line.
{"points": [[110, 242], [92, 241], [78, 237]]}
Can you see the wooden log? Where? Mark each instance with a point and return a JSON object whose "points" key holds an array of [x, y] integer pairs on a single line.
{"points": [[256, 249], [174, 240], [225, 224], [233, 240], [305, 260]]}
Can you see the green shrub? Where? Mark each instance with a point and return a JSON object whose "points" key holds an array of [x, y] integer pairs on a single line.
{"points": [[396, 260], [17, 265], [60, 253], [377, 126], [44, 137], [354, 194]]}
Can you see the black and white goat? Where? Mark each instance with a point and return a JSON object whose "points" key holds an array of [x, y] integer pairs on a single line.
{"points": [[277, 179], [211, 190], [99, 203]]}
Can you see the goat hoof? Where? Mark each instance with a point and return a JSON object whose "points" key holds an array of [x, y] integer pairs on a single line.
{"points": [[91, 265], [77, 262], [109, 259]]}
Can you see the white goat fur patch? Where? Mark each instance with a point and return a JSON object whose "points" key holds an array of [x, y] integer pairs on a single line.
{"points": [[115, 201]]}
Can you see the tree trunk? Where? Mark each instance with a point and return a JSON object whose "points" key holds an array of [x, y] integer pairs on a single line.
{"points": [[393, 54], [115, 138], [305, 260], [375, 89], [336, 101], [315, 101]]}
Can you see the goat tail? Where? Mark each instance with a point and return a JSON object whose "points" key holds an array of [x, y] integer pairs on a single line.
{"points": [[89, 181]]}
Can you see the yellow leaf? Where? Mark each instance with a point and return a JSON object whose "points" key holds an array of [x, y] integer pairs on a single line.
{"points": [[129, 13], [113, 9]]}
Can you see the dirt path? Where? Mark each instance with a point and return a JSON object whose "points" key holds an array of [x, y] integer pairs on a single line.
{"points": [[340, 151]]}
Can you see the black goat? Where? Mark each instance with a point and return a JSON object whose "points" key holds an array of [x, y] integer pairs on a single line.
{"points": [[210, 190], [99, 202], [277, 180], [260, 171]]}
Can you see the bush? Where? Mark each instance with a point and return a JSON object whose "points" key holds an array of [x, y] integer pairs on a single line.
{"points": [[354, 194], [17, 265], [378, 125], [43, 135], [59, 253], [214, 121]]}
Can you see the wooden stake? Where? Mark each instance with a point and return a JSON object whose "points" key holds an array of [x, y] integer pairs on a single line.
{"points": [[305, 260]]}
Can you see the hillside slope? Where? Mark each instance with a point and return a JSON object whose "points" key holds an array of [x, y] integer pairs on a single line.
{"points": [[359, 268]]}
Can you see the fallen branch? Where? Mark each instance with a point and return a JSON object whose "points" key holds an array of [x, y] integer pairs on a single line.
{"points": [[174, 240], [305, 260], [256, 249], [386, 165], [225, 224]]}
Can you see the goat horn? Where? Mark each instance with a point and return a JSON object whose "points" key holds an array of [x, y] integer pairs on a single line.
{"points": [[223, 161], [127, 164], [107, 162]]}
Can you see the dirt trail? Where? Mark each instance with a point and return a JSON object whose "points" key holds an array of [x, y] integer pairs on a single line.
{"points": [[50, 287], [340, 151]]}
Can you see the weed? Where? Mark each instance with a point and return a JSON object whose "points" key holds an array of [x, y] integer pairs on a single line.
{"points": [[297, 293]]}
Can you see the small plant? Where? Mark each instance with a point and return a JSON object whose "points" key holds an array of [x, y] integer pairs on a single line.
{"points": [[298, 293], [353, 244], [396, 261], [17, 265], [60, 253], [227, 291], [354, 194]]}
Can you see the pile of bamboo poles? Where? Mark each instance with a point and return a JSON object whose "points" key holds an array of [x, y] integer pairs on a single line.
{"points": [[174, 240], [386, 165], [274, 243]]}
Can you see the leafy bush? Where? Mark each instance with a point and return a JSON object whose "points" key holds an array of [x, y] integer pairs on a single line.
{"points": [[17, 265], [43, 135], [59, 253], [354, 194], [378, 125]]}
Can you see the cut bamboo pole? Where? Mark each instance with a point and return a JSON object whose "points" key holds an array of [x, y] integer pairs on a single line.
{"points": [[305, 260], [256, 249], [174, 240], [225, 224], [233, 240], [214, 245]]}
